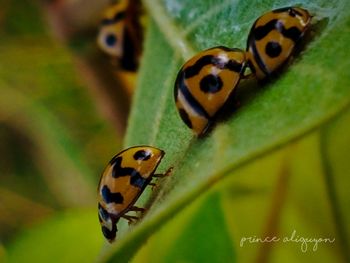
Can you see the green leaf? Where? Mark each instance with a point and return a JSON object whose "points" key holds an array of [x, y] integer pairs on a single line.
{"points": [[200, 228], [58, 239], [310, 93], [206, 224], [272, 196], [334, 151], [27, 114]]}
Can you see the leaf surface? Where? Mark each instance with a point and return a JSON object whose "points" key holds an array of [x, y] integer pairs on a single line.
{"points": [[311, 92]]}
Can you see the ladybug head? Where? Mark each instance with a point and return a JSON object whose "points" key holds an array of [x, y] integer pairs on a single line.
{"points": [[108, 224]]}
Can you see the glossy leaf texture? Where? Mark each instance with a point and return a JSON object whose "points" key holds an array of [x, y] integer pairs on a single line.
{"points": [[225, 169]]}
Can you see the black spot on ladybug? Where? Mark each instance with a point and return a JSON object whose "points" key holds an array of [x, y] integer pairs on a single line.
{"points": [[135, 177], [110, 197], [119, 171], [260, 32], [273, 49], [292, 33], [142, 155], [138, 181], [194, 69], [211, 84], [234, 66], [111, 39], [186, 119]]}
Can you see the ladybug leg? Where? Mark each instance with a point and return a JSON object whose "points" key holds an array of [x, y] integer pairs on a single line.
{"points": [[131, 219], [167, 173], [154, 185], [137, 209]]}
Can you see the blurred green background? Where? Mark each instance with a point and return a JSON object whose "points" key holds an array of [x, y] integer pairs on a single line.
{"points": [[58, 126], [63, 114]]}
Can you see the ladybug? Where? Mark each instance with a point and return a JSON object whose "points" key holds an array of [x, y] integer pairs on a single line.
{"points": [[205, 83], [120, 34], [121, 184], [273, 38]]}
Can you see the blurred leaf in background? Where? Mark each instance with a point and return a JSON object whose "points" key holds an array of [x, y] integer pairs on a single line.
{"points": [[54, 139], [58, 239]]}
